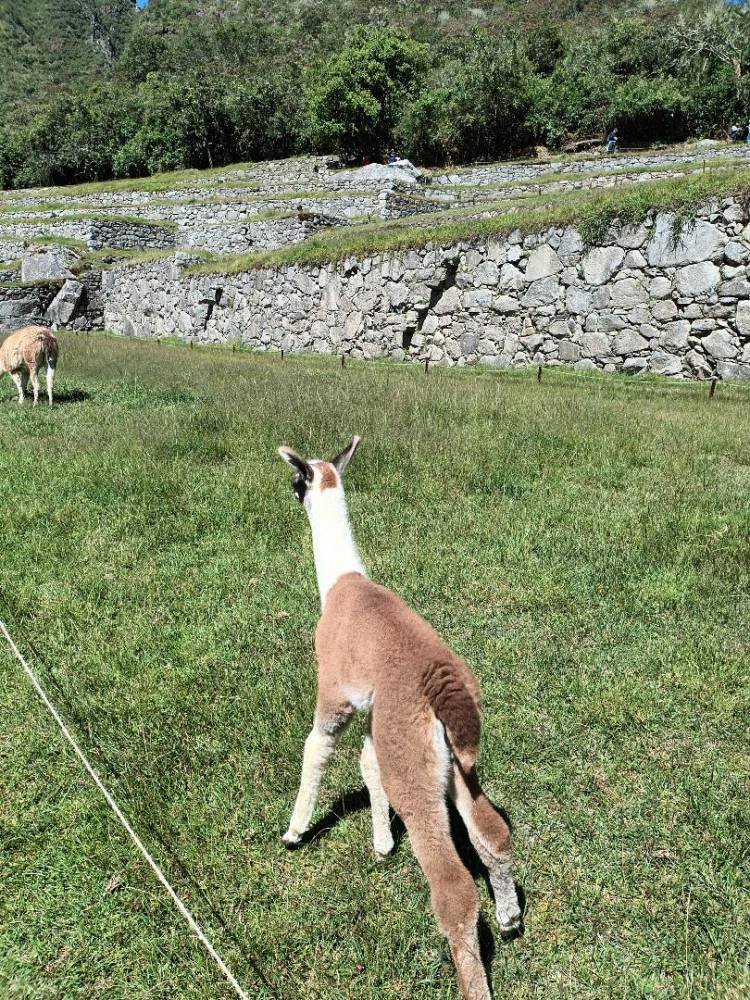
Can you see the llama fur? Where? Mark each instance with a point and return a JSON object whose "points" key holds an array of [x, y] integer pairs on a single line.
{"points": [[376, 655], [22, 354]]}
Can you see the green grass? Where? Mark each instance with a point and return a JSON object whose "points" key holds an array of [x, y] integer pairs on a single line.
{"points": [[591, 211], [558, 177], [59, 241], [583, 543]]}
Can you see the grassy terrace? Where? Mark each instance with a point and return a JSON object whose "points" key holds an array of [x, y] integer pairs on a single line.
{"points": [[233, 174], [10, 207], [44, 220], [591, 211], [562, 177], [594, 573]]}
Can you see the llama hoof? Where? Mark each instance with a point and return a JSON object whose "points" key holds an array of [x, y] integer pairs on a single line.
{"points": [[291, 839], [383, 848], [509, 918]]}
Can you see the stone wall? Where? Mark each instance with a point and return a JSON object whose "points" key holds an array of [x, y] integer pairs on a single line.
{"points": [[497, 173], [645, 300], [76, 303], [117, 235], [24, 306]]}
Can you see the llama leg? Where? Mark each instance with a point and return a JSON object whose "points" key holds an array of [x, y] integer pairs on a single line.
{"points": [[34, 372], [453, 894], [19, 380], [319, 746], [490, 836], [382, 838], [50, 381]]}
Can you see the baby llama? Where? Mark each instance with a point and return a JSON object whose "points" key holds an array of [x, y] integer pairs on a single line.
{"points": [[376, 655]]}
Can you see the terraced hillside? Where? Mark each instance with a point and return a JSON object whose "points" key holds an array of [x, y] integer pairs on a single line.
{"points": [[147, 257]]}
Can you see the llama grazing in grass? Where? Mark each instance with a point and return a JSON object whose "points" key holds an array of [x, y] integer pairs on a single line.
{"points": [[376, 655], [23, 352]]}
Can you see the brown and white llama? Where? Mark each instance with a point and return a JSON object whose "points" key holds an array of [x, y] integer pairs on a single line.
{"points": [[376, 655], [21, 355]]}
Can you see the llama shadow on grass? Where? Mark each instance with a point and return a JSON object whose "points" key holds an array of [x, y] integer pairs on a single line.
{"points": [[356, 800], [70, 396]]}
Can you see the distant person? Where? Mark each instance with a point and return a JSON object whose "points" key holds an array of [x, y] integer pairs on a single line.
{"points": [[747, 138], [365, 160], [392, 156], [736, 133], [612, 140]]}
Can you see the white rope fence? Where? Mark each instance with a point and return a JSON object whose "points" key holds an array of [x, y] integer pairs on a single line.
{"points": [[192, 922]]}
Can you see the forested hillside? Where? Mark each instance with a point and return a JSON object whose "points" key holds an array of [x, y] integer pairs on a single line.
{"points": [[95, 89], [48, 45]]}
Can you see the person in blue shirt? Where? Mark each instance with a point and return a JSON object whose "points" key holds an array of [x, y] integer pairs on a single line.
{"points": [[612, 141]]}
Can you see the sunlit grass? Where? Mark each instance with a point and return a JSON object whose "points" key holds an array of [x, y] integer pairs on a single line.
{"points": [[583, 543]]}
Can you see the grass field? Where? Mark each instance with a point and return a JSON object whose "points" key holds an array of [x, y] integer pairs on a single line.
{"points": [[584, 543]]}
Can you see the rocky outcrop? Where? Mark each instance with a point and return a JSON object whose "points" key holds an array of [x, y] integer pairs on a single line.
{"points": [[46, 263]]}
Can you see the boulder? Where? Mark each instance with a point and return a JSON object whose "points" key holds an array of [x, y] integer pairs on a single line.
{"points": [[675, 336], [578, 301], [570, 243], [46, 264], [398, 293], [738, 287], [542, 292], [735, 253], [665, 364], [660, 288], [719, 345], [664, 310], [698, 364], [629, 342], [388, 174], [510, 277], [487, 273], [596, 345], [632, 237], [697, 279], [628, 293], [669, 245], [543, 262], [601, 263], [743, 318], [506, 304], [469, 343], [449, 302], [568, 351], [728, 369], [633, 366], [477, 298], [63, 307]]}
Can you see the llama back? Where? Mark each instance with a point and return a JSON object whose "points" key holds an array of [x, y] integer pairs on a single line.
{"points": [[379, 640], [28, 347]]}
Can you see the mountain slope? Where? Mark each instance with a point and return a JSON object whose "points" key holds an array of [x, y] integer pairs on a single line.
{"points": [[47, 45]]}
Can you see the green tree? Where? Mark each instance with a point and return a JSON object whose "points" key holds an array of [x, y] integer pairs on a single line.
{"points": [[475, 105], [356, 98]]}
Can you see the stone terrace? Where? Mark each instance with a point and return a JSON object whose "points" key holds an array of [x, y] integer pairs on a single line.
{"points": [[539, 299]]}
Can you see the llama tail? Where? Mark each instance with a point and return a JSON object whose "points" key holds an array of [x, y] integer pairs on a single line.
{"points": [[49, 349], [455, 702]]}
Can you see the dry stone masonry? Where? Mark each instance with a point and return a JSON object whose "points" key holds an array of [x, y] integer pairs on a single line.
{"points": [[647, 300], [640, 301]]}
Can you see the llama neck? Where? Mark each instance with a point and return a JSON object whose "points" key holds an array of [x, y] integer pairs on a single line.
{"points": [[333, 543]]}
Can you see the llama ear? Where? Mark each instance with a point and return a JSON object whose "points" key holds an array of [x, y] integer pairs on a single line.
{"points": [[297, 462], [341, 461]]}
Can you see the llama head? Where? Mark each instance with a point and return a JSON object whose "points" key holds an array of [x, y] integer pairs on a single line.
{"points": [[314, 479]]}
